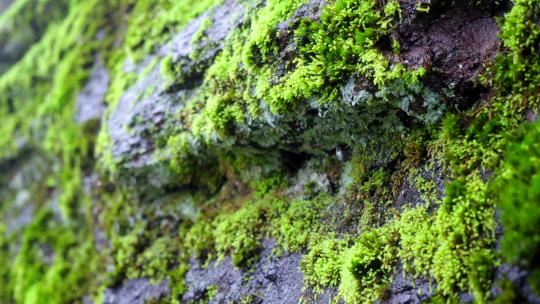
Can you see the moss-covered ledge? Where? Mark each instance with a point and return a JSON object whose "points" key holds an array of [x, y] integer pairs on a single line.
{"points": [[371, 151]]}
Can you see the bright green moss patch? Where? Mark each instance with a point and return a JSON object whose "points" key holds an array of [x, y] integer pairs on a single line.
{"points": [[518, 197], [301, 223], [322, 264], [465, 228], [45, 89], [241, 83], [452, 245], [367, 267], [192, 161], [23, 24], [54, 262], [150, 22], [240, 233]]}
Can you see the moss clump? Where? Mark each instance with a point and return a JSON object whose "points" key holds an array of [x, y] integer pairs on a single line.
{"points": [[150, 21], [301, 223], [54, 262], [465, 227], [240, 233], [193, 161], [241, 84], [367, 267], [322, 263], [199, 240], [452, 245], [518, 196], [23, 23], [480, 144]]}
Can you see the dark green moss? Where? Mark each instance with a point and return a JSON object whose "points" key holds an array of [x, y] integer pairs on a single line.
{"points": [[519, 198]]}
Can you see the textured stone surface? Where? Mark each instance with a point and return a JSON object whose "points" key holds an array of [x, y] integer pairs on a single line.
{"points": [[273, 279], [518, 277], [405, 290], [452, 42], [137, 291], [4, 5], [91, 100], [17, 177], [312, 145], [147, 110]]}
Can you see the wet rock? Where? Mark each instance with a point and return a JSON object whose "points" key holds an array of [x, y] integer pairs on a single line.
{"points": [[134, 126], [410, 196], [310, 181], [137, 291], [17, 177], [4, 5], [518, 278], [451, 41], [148, 110], [407, 290], [273, 279], [91, 101]]}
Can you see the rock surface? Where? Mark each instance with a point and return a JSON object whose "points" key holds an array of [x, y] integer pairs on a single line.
{"points": [[291, 151], [273, 279], [138, 291]]}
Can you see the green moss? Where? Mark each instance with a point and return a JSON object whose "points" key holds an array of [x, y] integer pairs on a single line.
{"points": [[481, 144], [517, 191], [322, 264], [191, 160], [198, 40], [6, 257], [177, 282], [465, 226], [250, 299], [54, 262], [240, 234], [23, 23], [199, 240], [149, 24], [261, 44], [167, 69], [150, 21], [367, 267], [423, 7], [212, 291], [449, 241], [453, 245], [45, 89], [139, 248], [418, 242], [241, 84], [262, 187], [337, 47], [301, 223], [427, 188], [57, 261]]}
